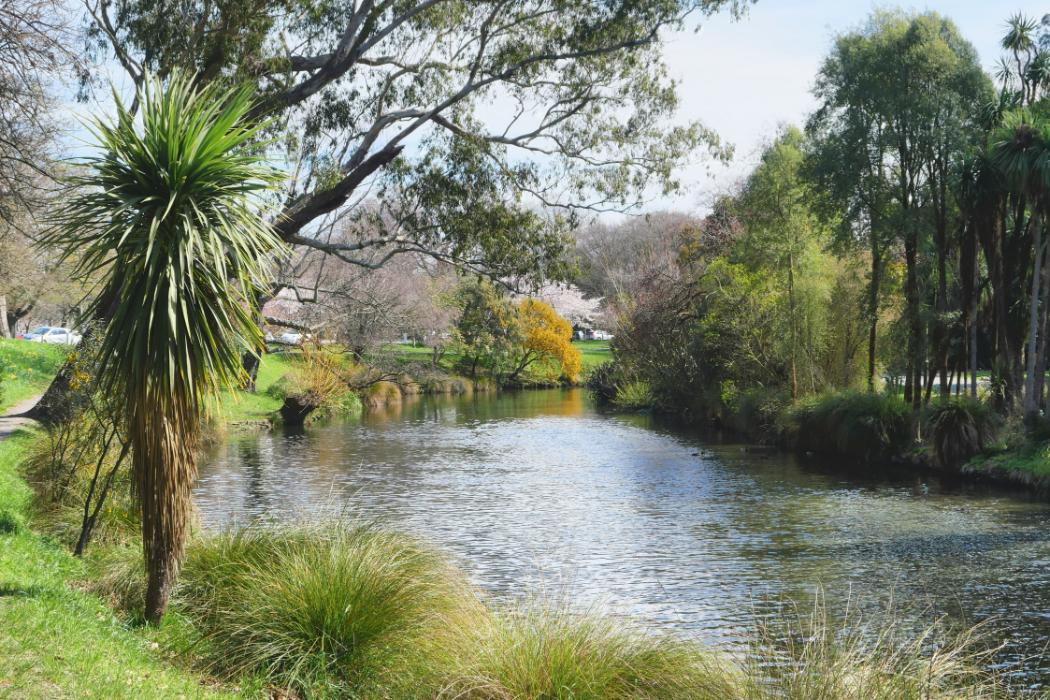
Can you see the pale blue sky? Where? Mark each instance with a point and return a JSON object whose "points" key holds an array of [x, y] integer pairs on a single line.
{"points": [[743, 78]]}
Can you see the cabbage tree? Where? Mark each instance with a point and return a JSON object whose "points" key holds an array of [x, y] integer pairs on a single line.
{"points": [[166, 218]]}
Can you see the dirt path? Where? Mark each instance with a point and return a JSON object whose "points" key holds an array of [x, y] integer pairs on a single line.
{"points": [[13, 419]]}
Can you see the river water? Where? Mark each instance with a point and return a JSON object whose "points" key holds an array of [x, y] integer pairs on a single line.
{"points": [[541, 494]]}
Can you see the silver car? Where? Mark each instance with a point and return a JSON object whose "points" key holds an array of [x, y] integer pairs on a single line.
{"points": [[52, 335]]}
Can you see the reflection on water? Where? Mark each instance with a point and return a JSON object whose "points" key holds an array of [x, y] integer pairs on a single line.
{"points": [[540, 492]]}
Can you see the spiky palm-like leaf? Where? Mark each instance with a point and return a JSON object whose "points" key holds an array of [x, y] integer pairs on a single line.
{"points": [[167, 216]]}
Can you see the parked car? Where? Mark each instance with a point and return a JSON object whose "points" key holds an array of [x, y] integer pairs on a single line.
{"points": [[52, 335], [290, 338]]}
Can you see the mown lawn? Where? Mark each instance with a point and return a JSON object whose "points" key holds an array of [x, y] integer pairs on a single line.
{"points": [[244, 406], [56, 642], [592, 352], [26, 369]]}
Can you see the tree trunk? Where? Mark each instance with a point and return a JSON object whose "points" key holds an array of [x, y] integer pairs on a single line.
{"points": [[911, 293], [1031, 401], [794, 324], [251, 362], [1040, 353], [5, 329], [940, 344], [973, 356], [873, 308]]}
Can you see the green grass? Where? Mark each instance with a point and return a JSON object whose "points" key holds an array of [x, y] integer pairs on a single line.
{"points": [[592, 354], [28, 369], [869, 427], [244, 406], [1026, 462], [58, 642]]}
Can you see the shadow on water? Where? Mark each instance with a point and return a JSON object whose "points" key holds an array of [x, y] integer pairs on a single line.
{"points": [[540, 491]]}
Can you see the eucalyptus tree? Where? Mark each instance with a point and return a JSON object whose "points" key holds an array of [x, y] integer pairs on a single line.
{"points": [[898, 93], [847, 162], [167, 215], [460, 120], [34, 36]]}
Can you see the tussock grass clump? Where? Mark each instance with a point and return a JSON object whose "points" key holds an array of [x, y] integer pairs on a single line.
{"points": [[960, 430], [343, 611], [333, 610], [446, 384], [381, 394], [544, 653], [116, 574], [809, 657], [866, 426]]}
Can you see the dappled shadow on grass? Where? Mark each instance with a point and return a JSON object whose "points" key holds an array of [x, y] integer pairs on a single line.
{"points": [[13, 590]]}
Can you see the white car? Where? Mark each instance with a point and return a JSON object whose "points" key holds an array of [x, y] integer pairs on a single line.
{"points": [[52, 335], [290, 338]]}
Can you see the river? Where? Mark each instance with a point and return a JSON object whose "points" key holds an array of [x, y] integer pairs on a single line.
{"points": [[539, 493]]}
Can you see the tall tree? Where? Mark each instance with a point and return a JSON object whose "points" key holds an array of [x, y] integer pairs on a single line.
{"points": [[167, 213], [417, 105], [901, 90], [782, 230]]}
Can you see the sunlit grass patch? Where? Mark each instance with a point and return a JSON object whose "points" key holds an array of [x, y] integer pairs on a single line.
{"points": [[26, 369], [550, 652], [326, 610]]}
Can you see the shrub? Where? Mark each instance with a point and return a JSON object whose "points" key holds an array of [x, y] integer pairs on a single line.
{"points": [[332, 609], [602, 382], [755, 412], [866, 426], [381, 394], [634, 395], [316, 386], [960, 430], [76, 461]]}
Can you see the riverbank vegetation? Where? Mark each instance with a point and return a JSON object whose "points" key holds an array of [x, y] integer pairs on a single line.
{"points": [[847, 296], [262, 612]]}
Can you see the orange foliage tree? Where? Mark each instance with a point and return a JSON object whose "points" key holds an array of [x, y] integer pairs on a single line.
{"points": [[547, 338]]}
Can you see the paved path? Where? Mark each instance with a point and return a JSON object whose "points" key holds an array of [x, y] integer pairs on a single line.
{"points": [[13, 420]]}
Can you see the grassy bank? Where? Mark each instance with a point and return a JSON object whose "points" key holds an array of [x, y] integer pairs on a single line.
{"points": [[261, 404], [592, 354], [340, 611], [26, 369], [337, 611], [59, 642]]}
